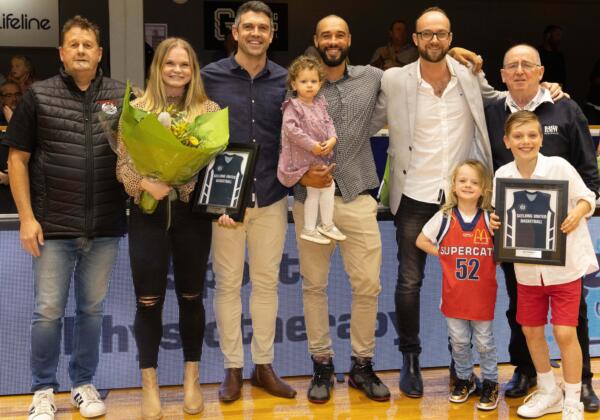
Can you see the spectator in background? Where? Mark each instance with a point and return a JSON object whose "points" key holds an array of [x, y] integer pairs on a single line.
{"points": [[592, 106], [10, 93], [9, 96], [21, 71], [553, 60], [398, 52]]}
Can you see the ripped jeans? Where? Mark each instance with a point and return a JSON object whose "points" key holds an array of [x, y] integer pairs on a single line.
{"points": [[461, 331], [151, 247]]}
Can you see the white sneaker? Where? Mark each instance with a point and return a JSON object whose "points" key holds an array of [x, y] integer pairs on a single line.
{"points": [[332, 232], [539, 403], [88, 400], [314, 236], [42, 407], [572, 411]]}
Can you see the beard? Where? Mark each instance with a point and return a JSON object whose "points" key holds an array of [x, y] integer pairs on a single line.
{"points": [[433, 57], [333, 62]]}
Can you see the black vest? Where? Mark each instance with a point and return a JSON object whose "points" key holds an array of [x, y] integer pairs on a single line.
{"points": [[74, 190]]}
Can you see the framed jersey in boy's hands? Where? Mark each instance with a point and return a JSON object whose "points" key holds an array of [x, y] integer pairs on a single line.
{"points": [[224, 185], [531, 212]]}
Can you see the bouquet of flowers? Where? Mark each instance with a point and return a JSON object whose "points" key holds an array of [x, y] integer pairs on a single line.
{"points": [[169, 148]]}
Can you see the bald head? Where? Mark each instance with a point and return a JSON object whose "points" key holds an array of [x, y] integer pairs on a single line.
{"points": [[522, 73], [522, 50], [331, 20], [332, 39]]}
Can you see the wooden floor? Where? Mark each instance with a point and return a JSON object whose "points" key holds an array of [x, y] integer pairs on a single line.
{"points": [[346, 403]]}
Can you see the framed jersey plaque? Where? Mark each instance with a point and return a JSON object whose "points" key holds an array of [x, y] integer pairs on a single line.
{"points": [[224, 186], [531, 212]]}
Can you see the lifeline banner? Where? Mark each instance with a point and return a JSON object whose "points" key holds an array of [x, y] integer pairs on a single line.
{"points": [[29, 23], [118, 363]]}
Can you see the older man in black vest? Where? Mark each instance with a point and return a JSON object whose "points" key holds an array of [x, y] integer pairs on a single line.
{"points": [[71, 209]]}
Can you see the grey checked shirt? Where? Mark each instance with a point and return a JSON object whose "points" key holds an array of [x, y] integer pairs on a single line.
{"points": [[350, 103]]}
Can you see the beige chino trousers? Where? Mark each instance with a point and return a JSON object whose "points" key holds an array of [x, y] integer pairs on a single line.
{"points": [[361, 254], [263, 233]]}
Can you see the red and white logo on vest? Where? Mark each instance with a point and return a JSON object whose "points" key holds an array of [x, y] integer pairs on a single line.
{"points": [[108, 107]]}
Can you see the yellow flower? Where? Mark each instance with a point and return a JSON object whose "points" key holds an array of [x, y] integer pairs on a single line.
{"points": [[194, 141]]}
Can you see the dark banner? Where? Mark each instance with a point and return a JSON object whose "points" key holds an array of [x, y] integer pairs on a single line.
{"points": [[220, 15]]}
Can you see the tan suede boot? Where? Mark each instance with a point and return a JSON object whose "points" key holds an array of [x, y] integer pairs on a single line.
{"points": [[150, 395], [193, 401]]}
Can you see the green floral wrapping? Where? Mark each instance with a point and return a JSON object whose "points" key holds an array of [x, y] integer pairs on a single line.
{"points": [[156, 153]]}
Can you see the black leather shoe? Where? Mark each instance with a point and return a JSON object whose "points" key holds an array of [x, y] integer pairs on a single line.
{"points": [[590, 401], [519, 385], [411, 381]]}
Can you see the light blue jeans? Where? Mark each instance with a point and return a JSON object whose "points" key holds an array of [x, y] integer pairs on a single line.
{"points": [[460, 332], [89, 262]]}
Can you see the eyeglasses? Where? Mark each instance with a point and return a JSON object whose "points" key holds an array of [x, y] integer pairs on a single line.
{"points": [[11, 95], [428, 35], [525, 65]]}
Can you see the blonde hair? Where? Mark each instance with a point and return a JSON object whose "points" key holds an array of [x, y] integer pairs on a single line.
{"points": [[517, 119], [155, 96], [485, 201], [304, 62]]}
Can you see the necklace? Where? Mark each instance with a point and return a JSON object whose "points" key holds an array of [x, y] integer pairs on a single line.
{"points": [[174, 99]]}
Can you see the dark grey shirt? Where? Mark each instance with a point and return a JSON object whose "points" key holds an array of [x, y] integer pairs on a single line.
{"points": [[350, 104]]}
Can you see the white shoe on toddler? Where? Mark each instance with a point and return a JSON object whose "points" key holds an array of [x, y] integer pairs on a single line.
{"points": [[331, 231], [314, 236]]}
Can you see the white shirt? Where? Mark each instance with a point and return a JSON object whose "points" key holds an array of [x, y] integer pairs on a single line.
{"points": [[581, 257], [431, 229], [444, 135], [542, 96]]}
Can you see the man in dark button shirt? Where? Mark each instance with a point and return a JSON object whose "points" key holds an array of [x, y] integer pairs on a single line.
{"points": [[71, 209], [566, 134], [253, 87]]}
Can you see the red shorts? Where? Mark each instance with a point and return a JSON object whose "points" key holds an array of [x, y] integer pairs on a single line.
{"points": [[533, 301]]}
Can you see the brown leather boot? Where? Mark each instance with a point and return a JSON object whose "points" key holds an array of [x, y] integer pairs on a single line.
{"points": [[231, 387], [193, 402], [150, 395], [265, 377]]}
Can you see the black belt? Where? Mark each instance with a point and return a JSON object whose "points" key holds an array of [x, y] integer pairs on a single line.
{"points": [[339, 193]]}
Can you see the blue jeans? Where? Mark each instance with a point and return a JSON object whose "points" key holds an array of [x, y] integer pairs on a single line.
{"points": [[89, 262], [460, 332]]}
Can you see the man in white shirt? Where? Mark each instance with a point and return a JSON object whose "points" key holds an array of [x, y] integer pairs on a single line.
{"points": [[434, 109]]}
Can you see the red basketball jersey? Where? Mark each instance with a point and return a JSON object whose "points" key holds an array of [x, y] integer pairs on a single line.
{"points": [[468, 268]]}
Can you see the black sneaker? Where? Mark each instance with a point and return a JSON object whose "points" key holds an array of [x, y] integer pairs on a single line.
{"points": [[321, 382], [489, 396], [362, 377], [462, 389]]}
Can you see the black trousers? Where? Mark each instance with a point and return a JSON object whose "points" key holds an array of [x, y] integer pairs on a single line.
{"points": [[409, 220], [517, 347], [151, 247]]}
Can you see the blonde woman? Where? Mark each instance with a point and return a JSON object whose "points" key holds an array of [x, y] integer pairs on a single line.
{"points": [[174, 80]]}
